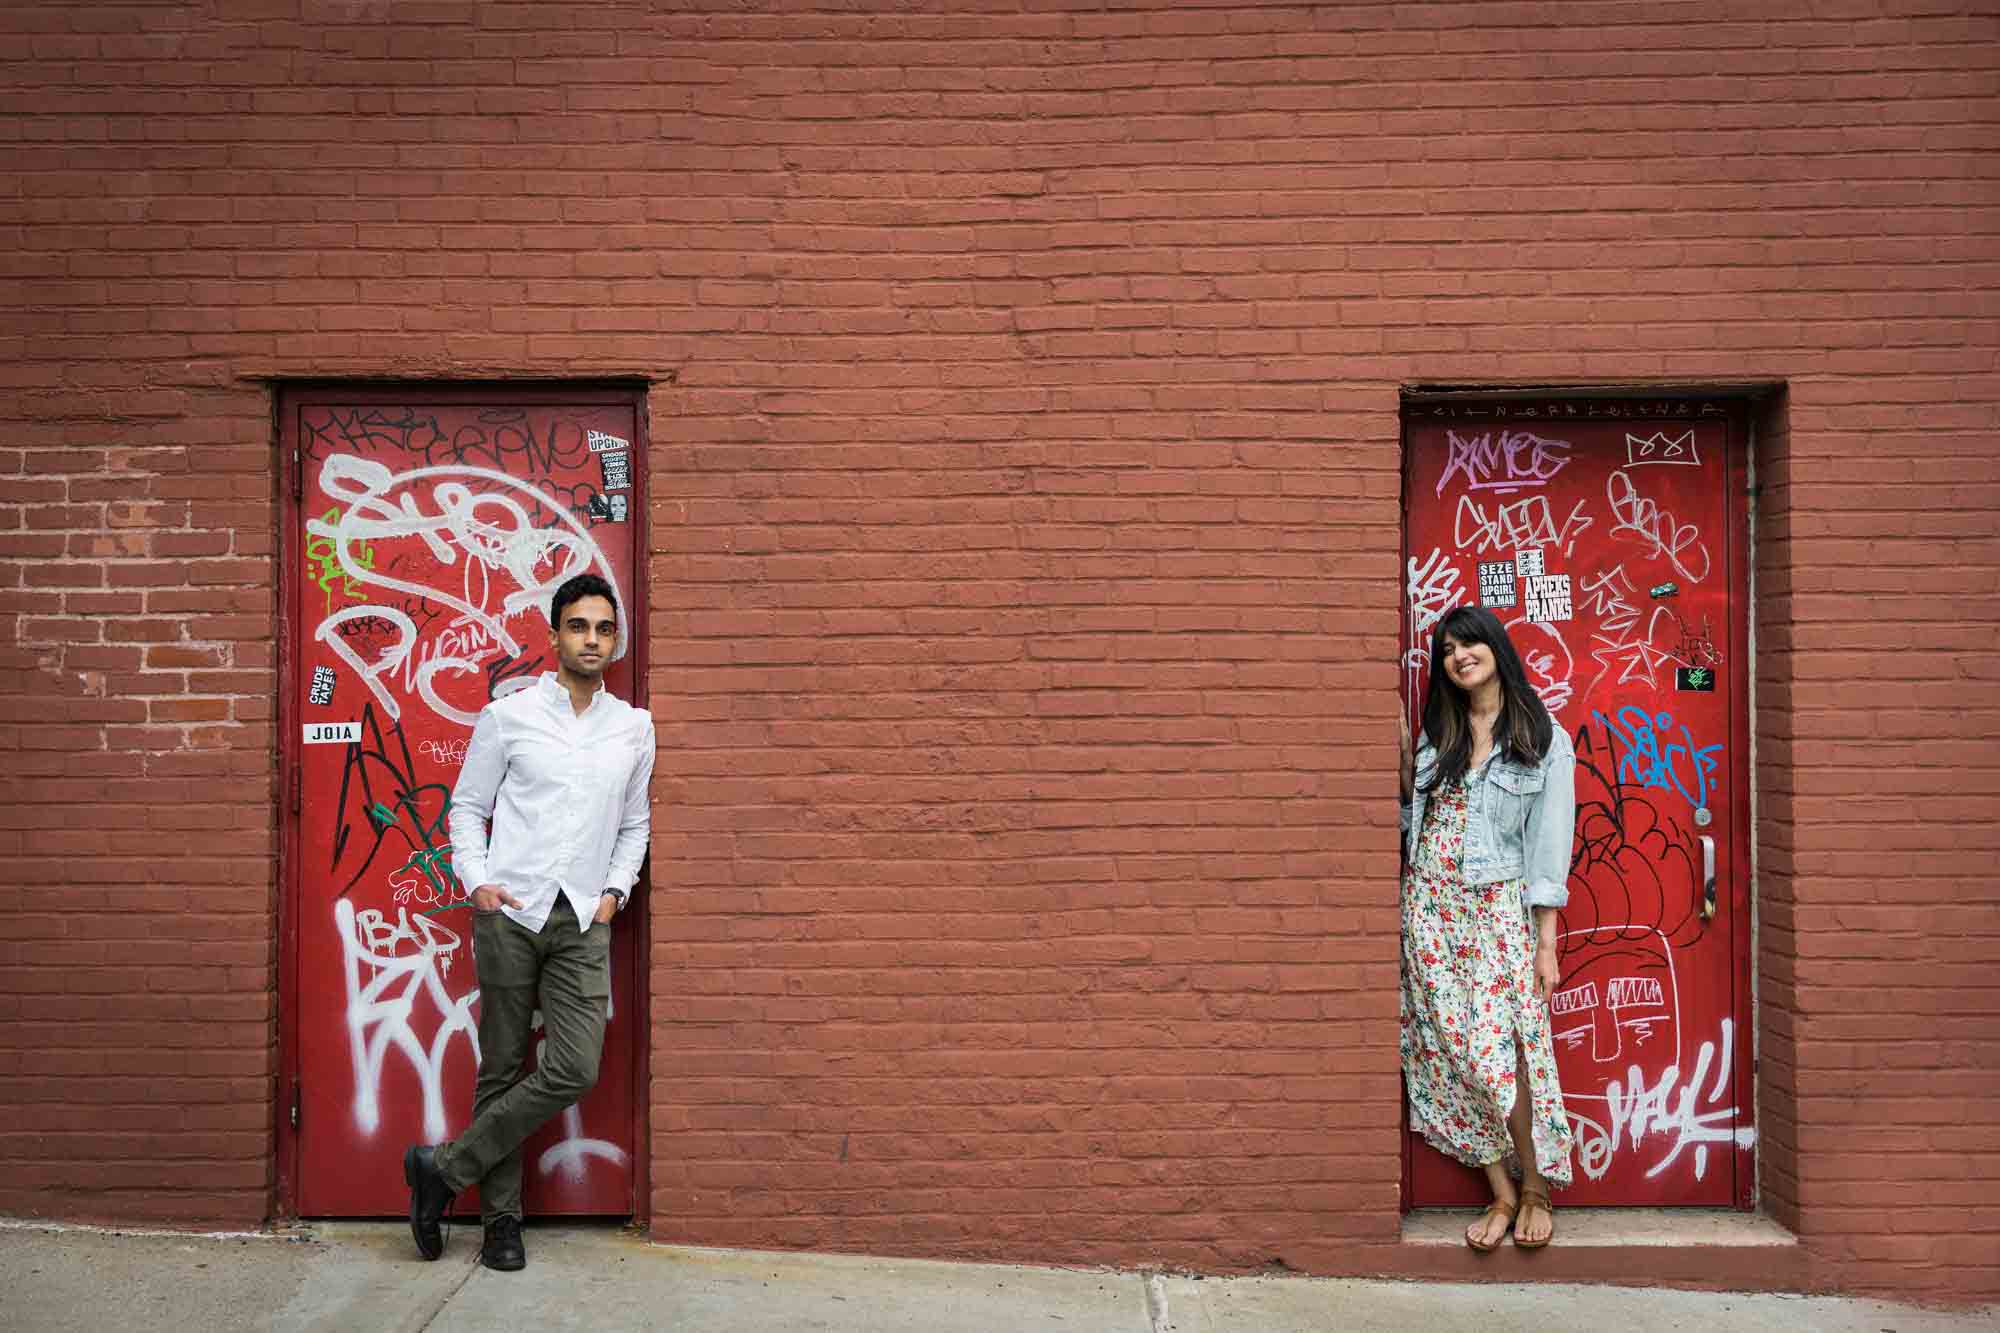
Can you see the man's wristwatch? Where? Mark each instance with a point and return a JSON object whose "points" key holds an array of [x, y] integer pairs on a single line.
{"points": [[617, 896]]}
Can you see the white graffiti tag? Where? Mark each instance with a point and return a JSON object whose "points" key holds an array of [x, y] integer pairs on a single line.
{"points": [[1679, 544], [572, 1156], [450, 753], [503, 553], [403, 963], [389, 968], [1636, 656], [1660, 447], [1528, 522], [1548, 660], [1606, 595], [414, 888], [1433, 592], [1665, 1111], [1637, 659], [395, 655]]}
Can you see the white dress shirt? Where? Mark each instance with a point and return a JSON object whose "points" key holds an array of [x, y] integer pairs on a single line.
{"points": [[566, 795]]}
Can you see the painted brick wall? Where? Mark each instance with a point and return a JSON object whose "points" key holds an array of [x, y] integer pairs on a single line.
{"points": [[1025, 514]]}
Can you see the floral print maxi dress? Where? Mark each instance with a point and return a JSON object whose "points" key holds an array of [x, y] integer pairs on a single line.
{"points": [[1468, 990]]}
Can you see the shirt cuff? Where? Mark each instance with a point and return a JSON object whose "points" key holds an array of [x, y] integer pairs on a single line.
{"points": [[471, 874], [1545, 893]]}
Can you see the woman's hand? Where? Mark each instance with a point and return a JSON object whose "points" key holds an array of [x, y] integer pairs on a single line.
{"points": [[1547, 971], [1405, 774]]}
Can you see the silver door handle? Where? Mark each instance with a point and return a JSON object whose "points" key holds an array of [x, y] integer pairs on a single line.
{"points": [[1707, 878]]}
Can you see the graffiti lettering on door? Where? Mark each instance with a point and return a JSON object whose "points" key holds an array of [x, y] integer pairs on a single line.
{"points": [[430, 539], [1594, 533]]}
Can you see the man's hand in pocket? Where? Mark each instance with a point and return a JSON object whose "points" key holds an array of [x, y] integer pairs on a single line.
{"points": [[490, 897]]}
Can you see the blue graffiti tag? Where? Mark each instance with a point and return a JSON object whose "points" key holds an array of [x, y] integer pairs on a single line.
{"points": [[1648, 764]]}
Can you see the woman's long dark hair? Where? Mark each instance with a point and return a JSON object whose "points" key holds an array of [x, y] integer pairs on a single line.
{"points": [[1523, 729]]}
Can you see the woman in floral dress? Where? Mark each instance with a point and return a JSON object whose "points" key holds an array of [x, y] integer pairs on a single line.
{"points": [[1489, 809]]}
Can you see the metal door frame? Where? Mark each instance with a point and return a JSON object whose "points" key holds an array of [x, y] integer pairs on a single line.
{"points": [[1741, 403], [287, 398]]}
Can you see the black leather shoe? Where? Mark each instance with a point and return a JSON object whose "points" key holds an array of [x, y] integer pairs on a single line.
{"points": [[503, 1249], [429, 1197]]}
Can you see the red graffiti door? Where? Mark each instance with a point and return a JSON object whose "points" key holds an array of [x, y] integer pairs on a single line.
{"points": [[427, 533], [1609, 537]]}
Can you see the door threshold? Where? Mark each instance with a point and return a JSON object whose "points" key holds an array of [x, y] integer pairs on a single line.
{"points": [[1595, 1227]]}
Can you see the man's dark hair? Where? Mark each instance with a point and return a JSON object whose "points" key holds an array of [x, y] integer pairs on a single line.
{"points": [[574, 590]]}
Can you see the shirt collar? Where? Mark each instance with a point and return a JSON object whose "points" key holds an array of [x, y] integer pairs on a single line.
{"points": [[552, 690]]}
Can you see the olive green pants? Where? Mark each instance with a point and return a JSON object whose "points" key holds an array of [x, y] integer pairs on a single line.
{"points": [[567, 974]]}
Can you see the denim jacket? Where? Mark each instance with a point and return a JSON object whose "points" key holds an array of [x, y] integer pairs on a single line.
{"points": [[1519, 823]]}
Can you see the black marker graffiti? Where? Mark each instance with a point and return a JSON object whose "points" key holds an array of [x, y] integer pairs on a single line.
{"points": [[380, 795], [1633, 869], [365, 429], [503, 669], [504, 439]]}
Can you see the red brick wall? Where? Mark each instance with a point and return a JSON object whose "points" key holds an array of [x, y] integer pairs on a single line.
{"points": [[1774, 714], [1025, 524]]}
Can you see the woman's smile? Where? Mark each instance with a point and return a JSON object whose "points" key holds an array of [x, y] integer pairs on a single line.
{"points": [[1469, 664]]}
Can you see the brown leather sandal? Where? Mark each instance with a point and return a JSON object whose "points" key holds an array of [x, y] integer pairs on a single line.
{"points": [[1534, 1199], [1506, 1210]]}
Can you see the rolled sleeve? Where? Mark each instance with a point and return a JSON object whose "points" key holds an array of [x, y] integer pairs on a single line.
{"points": [[1410, 809], [635, 820], [472, 798], [1551, 829]]}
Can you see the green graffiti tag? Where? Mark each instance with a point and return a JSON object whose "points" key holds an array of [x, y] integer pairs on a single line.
{"points": [[380, 799], [323, 565], [430, 852]]}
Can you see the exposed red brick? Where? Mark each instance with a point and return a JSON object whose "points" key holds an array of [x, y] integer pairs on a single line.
{"points": [[1025, 523]]}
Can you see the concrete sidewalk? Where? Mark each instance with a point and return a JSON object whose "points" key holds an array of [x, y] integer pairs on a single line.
{"points": [[366, 1277]]}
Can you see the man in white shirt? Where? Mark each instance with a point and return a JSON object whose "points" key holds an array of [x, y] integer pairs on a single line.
{"points": [[560, 771]]}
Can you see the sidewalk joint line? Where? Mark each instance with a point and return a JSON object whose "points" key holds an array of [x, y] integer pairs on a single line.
{"points": [[450, 1296], [1156, 1303]]}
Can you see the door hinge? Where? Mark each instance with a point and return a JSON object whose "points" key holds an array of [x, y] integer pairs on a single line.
{"points": [[298, 476], [297, 783], [295, 1105]]}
